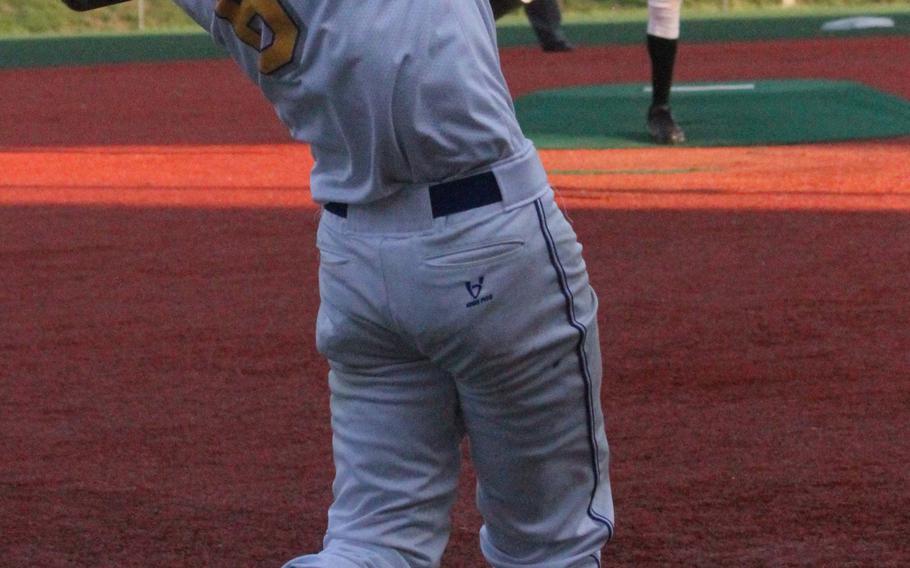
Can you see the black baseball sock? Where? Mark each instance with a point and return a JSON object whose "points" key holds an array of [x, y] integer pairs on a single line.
{"points": [[663, 55]]}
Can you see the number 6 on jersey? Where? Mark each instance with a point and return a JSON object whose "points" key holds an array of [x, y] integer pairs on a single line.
{"points": [[247, 18]]}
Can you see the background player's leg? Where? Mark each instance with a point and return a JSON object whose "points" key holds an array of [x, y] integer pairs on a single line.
{"points": [[546, 21], [662, 53], [662, 43], [503, 7], [395, 425]]}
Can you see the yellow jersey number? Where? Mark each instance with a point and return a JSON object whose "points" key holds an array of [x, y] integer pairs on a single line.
{"points": [[280, 51]]}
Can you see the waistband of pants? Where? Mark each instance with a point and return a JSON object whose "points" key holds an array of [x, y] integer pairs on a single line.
{"points": [[505, 185]]}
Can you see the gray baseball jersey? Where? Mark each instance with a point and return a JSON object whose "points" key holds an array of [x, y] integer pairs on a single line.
{"points": [[454, 300], [388, 94]]}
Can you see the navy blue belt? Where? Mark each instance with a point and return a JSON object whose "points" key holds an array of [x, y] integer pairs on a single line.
{"points": [[450, 197]]}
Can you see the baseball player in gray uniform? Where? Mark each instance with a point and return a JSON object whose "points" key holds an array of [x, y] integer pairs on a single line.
{"points": [[454, 300]]}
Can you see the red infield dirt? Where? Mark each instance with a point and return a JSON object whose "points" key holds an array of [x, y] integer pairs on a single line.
{"points": [[162, 403]]}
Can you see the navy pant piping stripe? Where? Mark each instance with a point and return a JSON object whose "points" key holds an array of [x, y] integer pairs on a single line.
{"points": [[582, 356]]}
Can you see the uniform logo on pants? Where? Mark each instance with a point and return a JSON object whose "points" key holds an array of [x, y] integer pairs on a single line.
{"points": [[474, 290]]}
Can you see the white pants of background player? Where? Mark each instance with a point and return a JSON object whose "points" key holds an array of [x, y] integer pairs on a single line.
{"points": [[482, 324], [663, 18]]}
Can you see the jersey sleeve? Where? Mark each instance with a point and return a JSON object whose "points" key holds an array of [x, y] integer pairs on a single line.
{"points": [[201, 11]]}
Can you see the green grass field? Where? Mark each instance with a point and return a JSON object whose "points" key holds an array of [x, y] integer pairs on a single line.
{"points": [[183, 40], [51, 17]]}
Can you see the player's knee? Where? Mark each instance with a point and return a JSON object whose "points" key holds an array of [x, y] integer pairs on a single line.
{"points": [[663, 18]]}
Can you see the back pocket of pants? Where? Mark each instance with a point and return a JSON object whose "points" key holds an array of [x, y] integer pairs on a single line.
{"points": [[479, 253], [331, 258]]}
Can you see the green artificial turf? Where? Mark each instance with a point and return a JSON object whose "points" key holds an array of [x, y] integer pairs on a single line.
{"points": [[715, 114]]}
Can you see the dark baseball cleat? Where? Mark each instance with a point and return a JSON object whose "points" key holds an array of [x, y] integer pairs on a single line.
{"points": [[560, 46], [663, 127]]}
